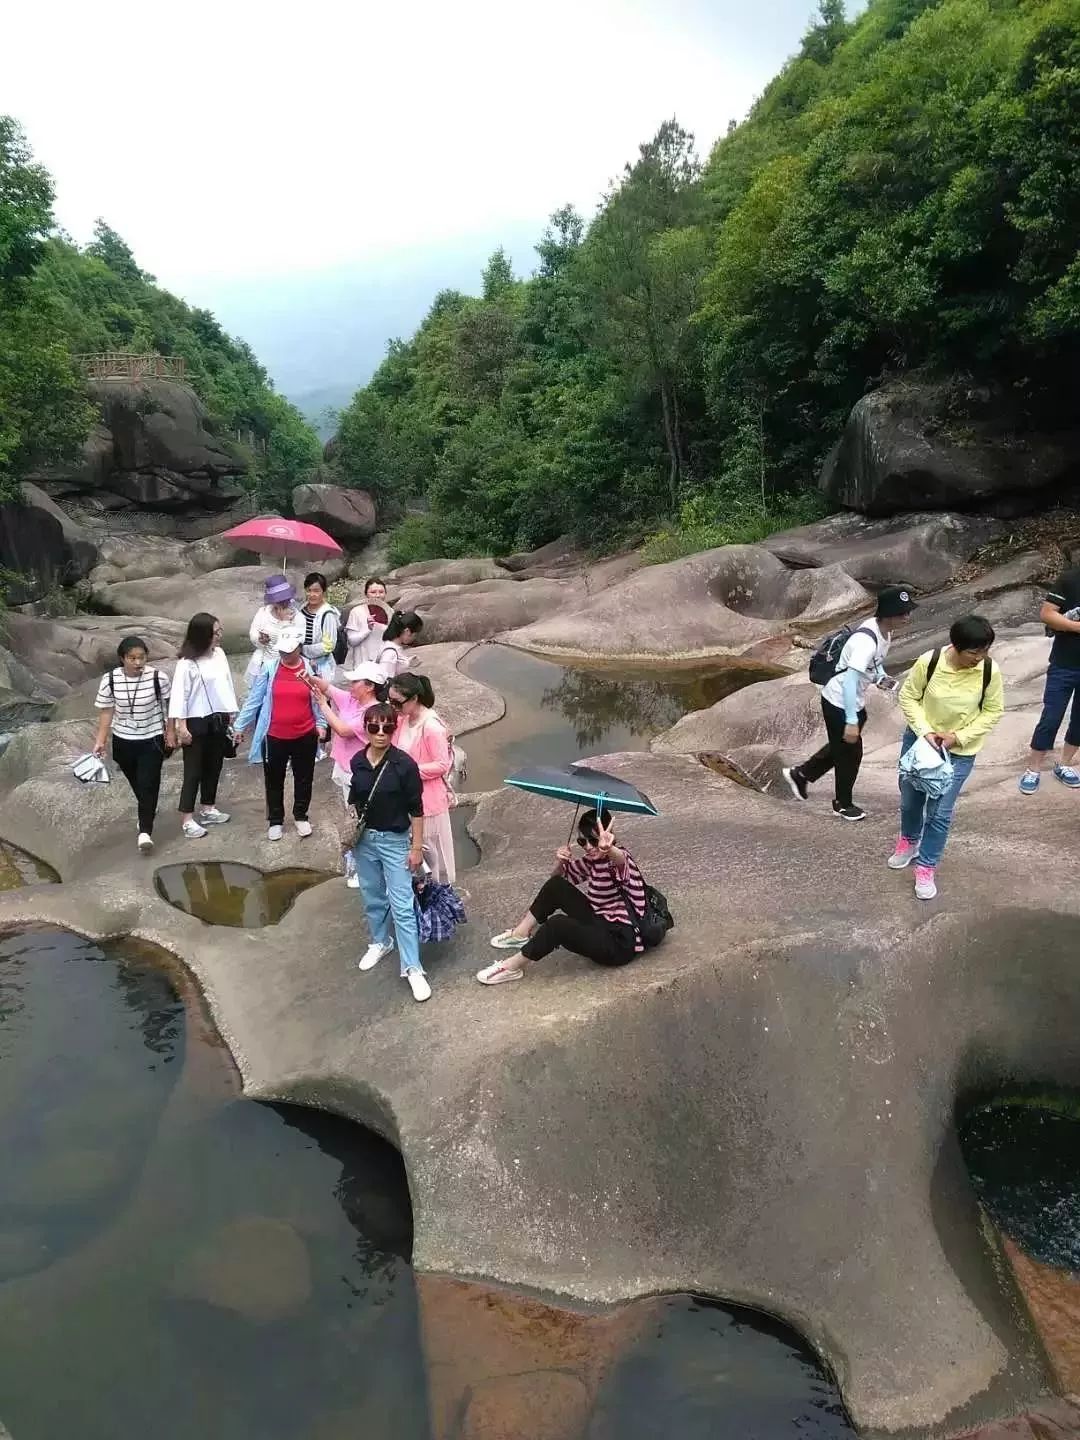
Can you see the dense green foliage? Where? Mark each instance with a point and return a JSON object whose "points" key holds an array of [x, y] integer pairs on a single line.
{"points": [[906, 193], [56, 301]]}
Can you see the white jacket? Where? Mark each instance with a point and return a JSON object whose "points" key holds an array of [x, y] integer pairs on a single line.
{"points": [[365, 633]]}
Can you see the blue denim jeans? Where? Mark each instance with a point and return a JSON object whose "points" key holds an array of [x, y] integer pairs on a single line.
{"points": [[926, 822], [1062, 685], [386, 889]]}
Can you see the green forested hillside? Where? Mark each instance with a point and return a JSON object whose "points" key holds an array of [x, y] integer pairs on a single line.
{"points": [[906, 193], [57, 300]]}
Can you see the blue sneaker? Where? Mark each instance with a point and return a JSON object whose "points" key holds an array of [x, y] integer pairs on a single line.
{"points": [[1068, 776], [1029, 782]]}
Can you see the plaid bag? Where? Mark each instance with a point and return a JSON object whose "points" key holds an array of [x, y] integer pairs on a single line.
{"points": [[439, 910]]}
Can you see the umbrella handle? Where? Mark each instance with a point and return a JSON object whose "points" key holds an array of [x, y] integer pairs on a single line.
{"points": [[573, 824]]}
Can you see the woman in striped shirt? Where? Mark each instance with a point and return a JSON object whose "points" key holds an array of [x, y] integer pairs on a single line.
{"points": [[133, 702], [597, 921]]}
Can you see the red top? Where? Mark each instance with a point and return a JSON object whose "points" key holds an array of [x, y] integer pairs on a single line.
{"points": [[290, 705]]}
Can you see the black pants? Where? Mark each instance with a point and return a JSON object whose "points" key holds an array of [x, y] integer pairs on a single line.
{"points": [[278, 755], [837, 754], [577, 928], [203, 760], [140, 762]]}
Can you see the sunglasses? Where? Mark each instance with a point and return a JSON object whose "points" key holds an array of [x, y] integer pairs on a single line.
{"points": [[586, 840], [397, 704], [380, 727]]}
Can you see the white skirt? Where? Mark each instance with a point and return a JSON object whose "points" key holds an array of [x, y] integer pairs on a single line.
{"points": [[439, 848]]}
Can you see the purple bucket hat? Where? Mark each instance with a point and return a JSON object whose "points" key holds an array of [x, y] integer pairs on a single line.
{"points": [[278, 590]]}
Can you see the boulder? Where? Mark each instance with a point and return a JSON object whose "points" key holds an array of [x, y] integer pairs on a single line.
{"points": [[347, 515], [232, 595], [153, 449], [61, 654], [41, 548], [920, 446], [477, 612], [560, 553], [445, 572], [730, 601], [144, 557], [924, 551]]}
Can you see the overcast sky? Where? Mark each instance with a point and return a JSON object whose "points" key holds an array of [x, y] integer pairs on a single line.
{"points": [[236, 145]]}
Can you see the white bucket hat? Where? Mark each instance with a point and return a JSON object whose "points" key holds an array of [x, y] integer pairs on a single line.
{"points": [[290, 640]]}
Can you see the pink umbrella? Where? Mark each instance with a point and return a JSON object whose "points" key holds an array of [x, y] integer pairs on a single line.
{"points": [[272, 535]]}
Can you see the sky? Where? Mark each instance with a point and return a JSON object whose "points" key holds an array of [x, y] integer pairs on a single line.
{"points": [[313, 171]]}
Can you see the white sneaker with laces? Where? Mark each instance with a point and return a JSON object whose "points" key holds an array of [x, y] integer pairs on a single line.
{"points": [[374, 953], [275, 832], [303, 828], [193, 830], [499, 974], [418, 984], [211, 815], [144, 842]]}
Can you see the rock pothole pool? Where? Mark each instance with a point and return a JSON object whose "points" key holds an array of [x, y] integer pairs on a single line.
{"points": [[223, 892], [556, 713], [179, 1261]]}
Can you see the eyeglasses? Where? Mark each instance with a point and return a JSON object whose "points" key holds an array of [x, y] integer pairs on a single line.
{"points": [[397, 704], [380, 727]]}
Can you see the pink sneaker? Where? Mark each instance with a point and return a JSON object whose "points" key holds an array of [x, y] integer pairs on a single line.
{"points": [[925, 888], [903, 855]]}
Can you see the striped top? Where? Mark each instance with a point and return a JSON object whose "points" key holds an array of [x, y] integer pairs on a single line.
{"points": [[138, 712], [598, 877]]}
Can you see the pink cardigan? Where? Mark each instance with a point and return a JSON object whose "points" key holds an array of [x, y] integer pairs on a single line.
{"points": [[429, 746]]}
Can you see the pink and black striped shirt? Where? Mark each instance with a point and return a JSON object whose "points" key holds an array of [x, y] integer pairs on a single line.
{"points": [[598, 876]]}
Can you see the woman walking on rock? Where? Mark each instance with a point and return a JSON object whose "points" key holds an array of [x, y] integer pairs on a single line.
{"points": [[277, 613], [594, 922], [202, 705], [423, 735], [133, 701], [388, 799], [367, 623], [403, 631], [287, 732]]}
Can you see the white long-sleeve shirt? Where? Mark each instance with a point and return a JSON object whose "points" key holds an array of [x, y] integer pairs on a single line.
{"points": [[267, 623], [203, 687]]}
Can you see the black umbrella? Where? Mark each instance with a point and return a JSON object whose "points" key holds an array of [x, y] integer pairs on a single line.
{"points": [[581, 785]]}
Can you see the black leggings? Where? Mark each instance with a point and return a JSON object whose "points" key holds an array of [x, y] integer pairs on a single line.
{"points": [[203, 760], [140, 762], [577, 928], [278, 755], [837, 754]]}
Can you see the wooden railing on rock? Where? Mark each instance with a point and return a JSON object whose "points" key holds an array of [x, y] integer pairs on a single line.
{"points": [[122, 365]]}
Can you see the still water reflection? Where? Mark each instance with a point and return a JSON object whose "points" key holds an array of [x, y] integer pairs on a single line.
{"points": [[222, 892], [558, 713]]}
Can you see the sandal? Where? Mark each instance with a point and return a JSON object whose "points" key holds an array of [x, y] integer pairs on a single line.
{"points": [[507, 940], [498, 974]]}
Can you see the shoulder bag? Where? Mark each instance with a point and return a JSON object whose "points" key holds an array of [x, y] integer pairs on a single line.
{"points": [[216, 724], [657, 920], [353, 826]]}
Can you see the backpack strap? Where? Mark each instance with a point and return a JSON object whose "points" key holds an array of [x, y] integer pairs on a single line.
{"points": [[859, 630], [112, 684], [988, 671], [934, 658]]}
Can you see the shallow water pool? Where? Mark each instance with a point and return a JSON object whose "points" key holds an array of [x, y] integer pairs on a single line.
{"points": [[223, 892]]}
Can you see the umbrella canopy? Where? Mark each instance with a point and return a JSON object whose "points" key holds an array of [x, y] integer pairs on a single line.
{"points": [[272, 535], [581, 785]]}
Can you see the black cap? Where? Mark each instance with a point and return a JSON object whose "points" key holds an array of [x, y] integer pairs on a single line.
{"points": [[894, 601]]}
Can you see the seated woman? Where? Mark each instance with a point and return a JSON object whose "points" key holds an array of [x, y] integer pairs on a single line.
{"points": [[595, 922]]}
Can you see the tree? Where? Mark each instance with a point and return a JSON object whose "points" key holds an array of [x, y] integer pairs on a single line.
{"points": [[498, 276], [115, 252]]}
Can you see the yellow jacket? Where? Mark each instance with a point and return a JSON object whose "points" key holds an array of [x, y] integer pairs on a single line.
{"points": [[951, 701]]}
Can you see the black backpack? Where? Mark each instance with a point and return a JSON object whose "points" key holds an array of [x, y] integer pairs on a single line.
{"points": [[825, 661], [157, 689], [988, 670], [341, 644], [657, 919]]}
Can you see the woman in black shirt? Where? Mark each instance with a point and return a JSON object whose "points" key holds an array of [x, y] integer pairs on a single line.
{"points": [[388, 798]]}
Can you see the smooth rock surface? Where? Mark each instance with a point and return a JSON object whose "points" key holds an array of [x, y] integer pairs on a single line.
{"points": [[64, 653], [912, 445], [40, 546], [485, 609], [923, 551], [345, 514], [233, 595], [736, 600]]}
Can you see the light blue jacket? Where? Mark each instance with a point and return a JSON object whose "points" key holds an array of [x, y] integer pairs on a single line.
{"points": [[260, 702]]}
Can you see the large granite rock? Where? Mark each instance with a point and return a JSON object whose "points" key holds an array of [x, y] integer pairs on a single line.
{"points": [[346, 514], [445, 572], [916, 446], [477, 612], [41, 548], [923, 551], [145, 557], [153, 449], [61, 654], [232, 595], [737, 600]]}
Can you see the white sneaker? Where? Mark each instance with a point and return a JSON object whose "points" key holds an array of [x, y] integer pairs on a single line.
{"points": [[211, 815], [144, 842], [193, 830], [303, 828], [352, 882], [418, 984], [374, 953], [275, 832], [499, 974]]}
